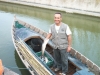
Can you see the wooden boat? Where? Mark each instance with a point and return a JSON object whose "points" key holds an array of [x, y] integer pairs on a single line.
{"points": [[28, 39]]}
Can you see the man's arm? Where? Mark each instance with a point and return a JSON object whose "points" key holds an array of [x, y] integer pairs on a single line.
{"points": [[45, 42], [69, 42], [48, 36]]}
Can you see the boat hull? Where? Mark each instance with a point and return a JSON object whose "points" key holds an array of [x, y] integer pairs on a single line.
{"points": [[23, 32]]}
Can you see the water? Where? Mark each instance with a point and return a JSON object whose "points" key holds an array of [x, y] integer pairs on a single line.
{"points": [[85, 29]]}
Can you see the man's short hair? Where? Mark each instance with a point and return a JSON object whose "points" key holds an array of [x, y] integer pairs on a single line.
{"points": [[59, 13]]}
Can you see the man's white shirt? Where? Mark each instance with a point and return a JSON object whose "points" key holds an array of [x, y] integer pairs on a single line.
{"points": [[68, 31]]}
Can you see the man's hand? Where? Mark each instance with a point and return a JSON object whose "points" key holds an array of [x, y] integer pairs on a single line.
{"points": [[68, 48]]}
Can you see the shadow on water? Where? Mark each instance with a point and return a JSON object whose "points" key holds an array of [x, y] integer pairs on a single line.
{"points": [[21, 65]]}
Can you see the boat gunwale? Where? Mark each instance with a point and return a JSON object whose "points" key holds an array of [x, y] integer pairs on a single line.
{"points": [[16, 48]]}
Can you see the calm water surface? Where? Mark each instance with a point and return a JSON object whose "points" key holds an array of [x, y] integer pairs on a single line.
{"points": [[85, 32]]}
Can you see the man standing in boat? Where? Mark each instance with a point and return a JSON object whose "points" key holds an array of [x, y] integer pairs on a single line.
{"points": [[61, 37]]}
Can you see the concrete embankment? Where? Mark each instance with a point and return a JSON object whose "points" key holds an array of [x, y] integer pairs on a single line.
{"points": [[68, 6]]}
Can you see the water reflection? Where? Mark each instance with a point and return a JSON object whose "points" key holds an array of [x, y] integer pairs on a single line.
{"points": [[21, 65], [30, 11]]}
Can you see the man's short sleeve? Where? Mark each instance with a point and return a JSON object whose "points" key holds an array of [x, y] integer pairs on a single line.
{"points": [[68, 31], [49, 30]]}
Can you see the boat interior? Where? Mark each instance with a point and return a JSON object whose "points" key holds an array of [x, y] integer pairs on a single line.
{"points": [[35, 43]]}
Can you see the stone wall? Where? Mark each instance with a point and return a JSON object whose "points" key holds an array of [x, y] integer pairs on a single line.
{"points": [[87, 7]]}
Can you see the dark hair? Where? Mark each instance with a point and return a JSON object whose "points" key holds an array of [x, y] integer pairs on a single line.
{"points": [[59, 13]]}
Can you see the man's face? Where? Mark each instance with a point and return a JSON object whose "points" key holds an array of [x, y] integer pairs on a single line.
{"points": [[57, 19]]}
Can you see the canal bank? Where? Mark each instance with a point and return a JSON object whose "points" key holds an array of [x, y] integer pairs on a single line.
{"points": [[85, 10]]}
